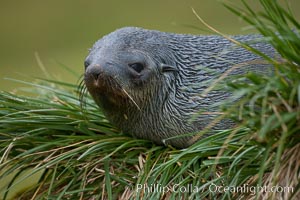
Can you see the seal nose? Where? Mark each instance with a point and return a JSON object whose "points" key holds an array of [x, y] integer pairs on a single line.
{"points": [[94, 70]]}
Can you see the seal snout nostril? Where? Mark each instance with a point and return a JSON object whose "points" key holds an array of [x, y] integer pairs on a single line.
{"points": [[94, 71], [86, 64], [96, 75]]}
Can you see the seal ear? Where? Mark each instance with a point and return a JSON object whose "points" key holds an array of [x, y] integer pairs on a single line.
{"points": [[164, 68]]}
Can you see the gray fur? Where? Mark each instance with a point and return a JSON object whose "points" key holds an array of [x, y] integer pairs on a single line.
{"points": [[178, 69]]}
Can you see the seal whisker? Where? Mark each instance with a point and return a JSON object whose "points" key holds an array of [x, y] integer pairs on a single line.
{"points": [[130, 97], [116, 84], [82, 91]]}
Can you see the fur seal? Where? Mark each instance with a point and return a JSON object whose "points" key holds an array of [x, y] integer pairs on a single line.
{"points": [[149, 83]]}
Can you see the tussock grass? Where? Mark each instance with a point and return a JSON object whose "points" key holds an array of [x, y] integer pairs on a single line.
{"points": [[82, 156]]}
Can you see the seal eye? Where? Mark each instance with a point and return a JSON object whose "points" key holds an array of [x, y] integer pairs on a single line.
{"points": [[138, 67]]}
